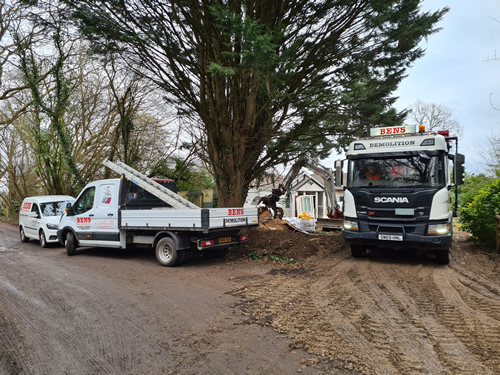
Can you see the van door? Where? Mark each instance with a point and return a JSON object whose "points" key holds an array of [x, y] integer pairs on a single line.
{"points": [[31, 230], [105, 220], [82, 218]]}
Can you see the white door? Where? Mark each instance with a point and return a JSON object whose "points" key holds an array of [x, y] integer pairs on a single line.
{"points": [[83, 215], [105, 220], [31, 230], [305, 205]]}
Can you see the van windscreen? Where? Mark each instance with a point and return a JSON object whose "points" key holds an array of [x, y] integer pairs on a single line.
{"points": [[53, 208]]}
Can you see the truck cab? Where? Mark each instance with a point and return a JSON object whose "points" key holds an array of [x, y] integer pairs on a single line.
{"points": [[397, 192], [94, 215]]}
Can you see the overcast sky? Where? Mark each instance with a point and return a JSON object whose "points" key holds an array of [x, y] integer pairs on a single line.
{"points": [[458, 71]]}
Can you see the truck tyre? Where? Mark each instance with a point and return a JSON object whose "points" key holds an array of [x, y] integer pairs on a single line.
{"points": [[166, 252], [23, 235], [442, 256], [358, 251], [70, 244], [43, 240]]}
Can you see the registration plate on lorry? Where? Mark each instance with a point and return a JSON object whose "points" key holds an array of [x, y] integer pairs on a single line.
{"points": [[224, 239], [390, 237]]}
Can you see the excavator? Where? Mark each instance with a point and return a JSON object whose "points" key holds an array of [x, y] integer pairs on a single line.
{"points": [[334, 213]]}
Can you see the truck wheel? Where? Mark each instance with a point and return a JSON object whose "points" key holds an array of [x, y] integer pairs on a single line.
{"points": [[23, 235], [166, 252], [43, 240], [358, 251], [70, 244], [442, 256]]}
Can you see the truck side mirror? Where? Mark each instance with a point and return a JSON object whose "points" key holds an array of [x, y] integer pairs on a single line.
{"points": [[338, 173], [459, 170], [69, 210]]}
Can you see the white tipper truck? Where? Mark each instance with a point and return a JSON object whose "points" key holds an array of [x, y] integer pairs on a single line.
{"points": [[136, 210], [397, 193]]}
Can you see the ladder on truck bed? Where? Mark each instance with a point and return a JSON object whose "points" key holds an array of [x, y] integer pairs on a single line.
{"points": [[151, 186]]}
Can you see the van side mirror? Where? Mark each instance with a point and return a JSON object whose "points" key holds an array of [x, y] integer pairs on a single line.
{"points": [[459, 170], [69, 209], [34, 215]]}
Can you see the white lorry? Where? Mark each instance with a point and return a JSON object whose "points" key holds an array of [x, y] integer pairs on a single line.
{"points": [[135, 209], [397, 193]]}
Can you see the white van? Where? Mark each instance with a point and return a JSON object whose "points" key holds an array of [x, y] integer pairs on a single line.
{"points": [[39, 217]]}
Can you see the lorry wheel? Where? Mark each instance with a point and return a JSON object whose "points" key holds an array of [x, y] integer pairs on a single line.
{"points": [[166, 252], [70, 244], [358, 251], [43, 240], [442, 256], [23, 235]]}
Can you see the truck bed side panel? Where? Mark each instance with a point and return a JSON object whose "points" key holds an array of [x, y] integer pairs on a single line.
{"points": [[189, 219]]}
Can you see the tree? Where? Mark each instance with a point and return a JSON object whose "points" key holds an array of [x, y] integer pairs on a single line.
{"points": [[480, 202], [435, 117], [12, 22], [491, 156], [261, 82], [50, 103], [188, 175]]}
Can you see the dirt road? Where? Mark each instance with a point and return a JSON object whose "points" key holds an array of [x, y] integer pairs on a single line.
{"points": [[118, 312]]}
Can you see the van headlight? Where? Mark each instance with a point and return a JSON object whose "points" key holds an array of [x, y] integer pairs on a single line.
{"points": [[351, 225], [439, 228], [52, 226]]}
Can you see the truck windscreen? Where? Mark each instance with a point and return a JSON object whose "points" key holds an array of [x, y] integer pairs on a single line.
{"points": [[400, 171]]}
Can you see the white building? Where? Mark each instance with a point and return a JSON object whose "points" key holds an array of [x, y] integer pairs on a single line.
{"points": [[307, 195]]}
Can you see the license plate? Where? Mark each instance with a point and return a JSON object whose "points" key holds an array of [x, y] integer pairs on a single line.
{"points": [[390, 237], [224, 239]]}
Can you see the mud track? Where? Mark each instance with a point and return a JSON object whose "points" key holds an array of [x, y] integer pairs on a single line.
{"points": [[390, 313], [284, 303]]}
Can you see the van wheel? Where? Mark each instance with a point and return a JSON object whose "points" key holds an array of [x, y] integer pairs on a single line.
{"points": [[358, 251], [70, 244], [166, 252], [442, 256], [43, 240], [23, 235]]}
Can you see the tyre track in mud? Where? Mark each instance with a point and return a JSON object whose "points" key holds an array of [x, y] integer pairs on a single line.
{"points": [[386, 315]]}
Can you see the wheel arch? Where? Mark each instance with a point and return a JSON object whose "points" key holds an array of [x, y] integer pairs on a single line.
{"points": [[64, 234], [182, 241]]}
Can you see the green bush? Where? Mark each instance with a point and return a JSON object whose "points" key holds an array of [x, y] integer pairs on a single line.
{"points": [[477, 213]]}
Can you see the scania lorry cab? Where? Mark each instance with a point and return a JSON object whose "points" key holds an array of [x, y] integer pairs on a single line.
{"points": [[397, 193]]}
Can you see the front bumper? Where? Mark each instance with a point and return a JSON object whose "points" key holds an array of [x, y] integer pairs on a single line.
{"points": [[51, 235], [371, 239]]}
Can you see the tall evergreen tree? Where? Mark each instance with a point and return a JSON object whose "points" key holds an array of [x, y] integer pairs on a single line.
{"points": [[261, 81]]}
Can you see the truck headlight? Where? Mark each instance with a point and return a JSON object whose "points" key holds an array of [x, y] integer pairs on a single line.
{"points": [[52, 226], [438, 229], [351, 225]]}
